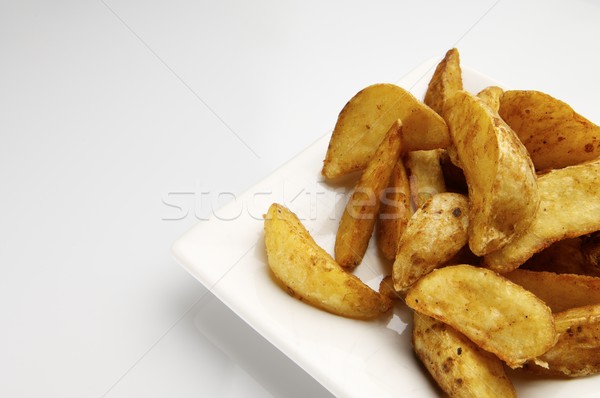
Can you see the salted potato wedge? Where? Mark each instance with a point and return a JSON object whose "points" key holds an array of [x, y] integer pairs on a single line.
{"points": [[498, 315], [559, 291], [395, 211], [425, 175], [501, 180], [366, 118], [577, 351], [491, 95], [459, 366], [309, 273], [434, 235], [446, 80], [360, 214], [569, 208], [553, 133]]}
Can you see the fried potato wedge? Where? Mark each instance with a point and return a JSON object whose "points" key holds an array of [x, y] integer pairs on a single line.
{"points": [[498, 315], [310, 274], [560, 292], [553, 133], [395, 211], [459, 366], [577, 351], [366, 118], [446, 80], [425, 175], [501, 180], [360, 214], [569, 208], [434, 235], [491, 95]]}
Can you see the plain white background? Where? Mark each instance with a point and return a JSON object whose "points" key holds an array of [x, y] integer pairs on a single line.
{"points": [[124, 123]]}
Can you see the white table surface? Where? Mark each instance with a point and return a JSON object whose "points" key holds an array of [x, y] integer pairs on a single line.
{"points": [[123, 123]]}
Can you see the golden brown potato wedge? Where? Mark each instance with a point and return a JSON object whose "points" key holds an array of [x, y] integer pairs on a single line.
{"points": [[425, 175], [559, 291], [491, 95], [310, 274], [459, 366], [569, 208], [394, 212], [501, 180], [366, 118], [498, 315], [577, 351], [434, 235], [446, 80], [360, 214], [554, 134]]}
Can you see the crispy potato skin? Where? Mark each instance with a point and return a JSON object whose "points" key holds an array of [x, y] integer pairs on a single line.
{"points": [[310, 274], [395, 211], [434, 235], [499, 316], [491, 95], [501, 180], [446, 80], [569, 208], [360, 214], [460, 367], [577, 351], [559, 291], [365, 119], [553, 133], [425, 174]]}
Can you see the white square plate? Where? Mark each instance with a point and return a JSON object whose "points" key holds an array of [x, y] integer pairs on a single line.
{"points": [[351, 358]]}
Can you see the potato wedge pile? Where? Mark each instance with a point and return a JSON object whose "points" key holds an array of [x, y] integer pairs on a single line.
{"points": [[486, 206]]}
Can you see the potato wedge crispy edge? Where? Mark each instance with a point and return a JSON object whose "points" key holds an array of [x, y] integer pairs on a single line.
{"points": [[491, 95], [499, 316], [503, 192], [553, 133], [577, 351], [395, 211], [459, 366], [446, 80], [436, 232], [559, 291], [425, 174], [365, 119], [310, 274], [569, 207], [360, 214]]}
